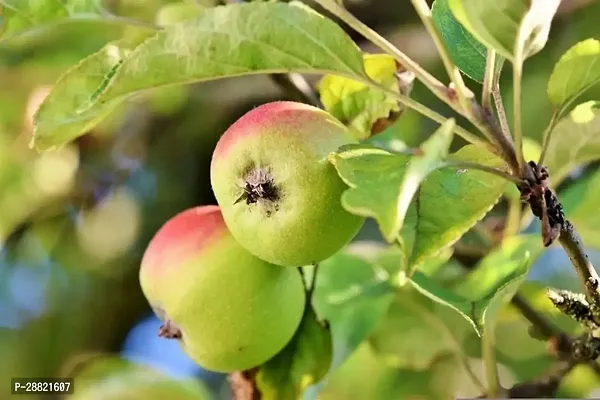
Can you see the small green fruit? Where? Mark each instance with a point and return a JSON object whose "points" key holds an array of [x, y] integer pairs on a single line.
{"points": [[279, 195], [231, 310]]}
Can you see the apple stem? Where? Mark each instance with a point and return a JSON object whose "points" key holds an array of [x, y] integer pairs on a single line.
{"points": [[243, 385], [313, 280]]}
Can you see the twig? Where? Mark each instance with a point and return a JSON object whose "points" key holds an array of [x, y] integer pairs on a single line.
{"points": [[432, 83], [469, 108], [514, 217], [488, 79], [488, 349], [545, 387], [547, 135], [541, 324], [297, 87], [575, 306], [313, 280], [501, 111], [473, 112], [434, 116], [573, 245], [453, 72], [517, 124]]}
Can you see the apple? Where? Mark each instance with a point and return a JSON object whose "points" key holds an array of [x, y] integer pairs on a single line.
{"points": [[229, 309], [279, 195]]}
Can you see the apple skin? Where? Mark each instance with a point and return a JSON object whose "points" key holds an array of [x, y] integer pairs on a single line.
{"points": [[230, 310], [279, 151]]}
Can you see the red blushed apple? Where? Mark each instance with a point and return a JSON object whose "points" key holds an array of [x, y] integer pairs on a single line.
{"points": [[229, 309], [279, 195]]}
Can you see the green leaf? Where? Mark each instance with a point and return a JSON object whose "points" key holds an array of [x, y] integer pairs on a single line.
{"points": [[414, 332], [449, 202], [392, 259], [499, 266], [430, 288], [437, 381], [303, 362], [576, 71], [382, 184], [113, 378], [375, 177], [580, 202], [575, 141], [56, 120], [479, 297], [20, 16], [467, 52], [239, 39], [225, 41], [364, 376], [360, 106], [496, 279], [352, 295], [516, 29], [174, 13], [435, 150]]}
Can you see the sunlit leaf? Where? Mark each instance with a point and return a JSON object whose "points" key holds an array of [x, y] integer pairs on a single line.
{"points": [[496, 279], [239, 39], [499, 265], [375, 177], [479, 297], [516, 29], [362, 107], [435, 150], [56, 120], [303, 362], [352, 295], [174, 13], [449, 202], [576, 71], [20, 16], [433, 290], [226, 41], [574, 142], [385, 190]]}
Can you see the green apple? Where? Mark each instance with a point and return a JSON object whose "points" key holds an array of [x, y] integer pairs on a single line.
{"points": [[279, 195], [229, 309]]}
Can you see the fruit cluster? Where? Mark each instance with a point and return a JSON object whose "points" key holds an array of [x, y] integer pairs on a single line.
{"points": [[221, 277]]}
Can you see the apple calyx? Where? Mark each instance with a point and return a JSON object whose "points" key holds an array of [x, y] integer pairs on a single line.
{"points": [[169, 329], [259, 186]]}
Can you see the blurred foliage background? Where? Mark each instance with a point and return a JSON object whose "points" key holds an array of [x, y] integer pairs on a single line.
{"points": [[74, 223]]}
